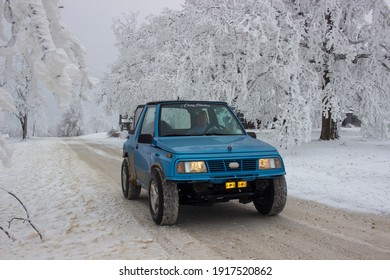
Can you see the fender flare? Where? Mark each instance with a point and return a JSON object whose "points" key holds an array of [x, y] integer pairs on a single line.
{"points": [[160, 170]]}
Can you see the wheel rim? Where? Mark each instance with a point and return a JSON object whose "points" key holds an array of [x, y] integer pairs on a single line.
{"points": [[154, 201]]}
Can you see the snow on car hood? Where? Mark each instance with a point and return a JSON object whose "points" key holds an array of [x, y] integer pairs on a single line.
{"points": [[212, 144]]}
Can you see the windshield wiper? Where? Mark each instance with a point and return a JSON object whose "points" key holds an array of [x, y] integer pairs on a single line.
{"points": [[200, 134], [219, 134], [175, 134]]}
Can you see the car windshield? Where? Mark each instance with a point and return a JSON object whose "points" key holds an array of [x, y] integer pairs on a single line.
{"points": [[195, 119]]}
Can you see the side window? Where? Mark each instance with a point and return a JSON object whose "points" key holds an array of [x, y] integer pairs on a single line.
{"points": [[137, 114], [148, 122], [134, 119]]}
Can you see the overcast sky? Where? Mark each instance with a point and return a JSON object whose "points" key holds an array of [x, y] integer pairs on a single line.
{"points": [[90, 21]]}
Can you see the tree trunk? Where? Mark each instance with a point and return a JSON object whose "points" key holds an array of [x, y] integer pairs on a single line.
{"points": [[329, 129], [23, 121]]}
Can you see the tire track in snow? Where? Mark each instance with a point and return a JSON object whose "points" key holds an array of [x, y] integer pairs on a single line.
{"points": [[107, 162]]}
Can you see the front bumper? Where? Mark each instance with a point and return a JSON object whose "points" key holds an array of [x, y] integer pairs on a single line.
{"points": [[211, 192]]}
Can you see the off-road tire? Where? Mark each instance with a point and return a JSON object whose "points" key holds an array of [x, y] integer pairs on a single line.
{"points": [[273, 199], [163, 199], [130, 189]]}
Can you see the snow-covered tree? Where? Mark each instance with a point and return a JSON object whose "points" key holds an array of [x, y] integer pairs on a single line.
{"points": [[347, 49], [278, 62], [6, 104], [53, 53], [242, 52], [98, 124], [146, 67], [26, 100], [34, 30], [372, 90], [72, 122]]}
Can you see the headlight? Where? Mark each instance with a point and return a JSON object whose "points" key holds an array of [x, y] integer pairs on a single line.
{"points": [[191, 167], [269, 163]]}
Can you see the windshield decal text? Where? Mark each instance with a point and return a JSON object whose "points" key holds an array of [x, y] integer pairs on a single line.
{"points": [[195, 105]]}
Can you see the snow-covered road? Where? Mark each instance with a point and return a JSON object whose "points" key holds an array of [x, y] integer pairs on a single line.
{"points": [[71, 191]]}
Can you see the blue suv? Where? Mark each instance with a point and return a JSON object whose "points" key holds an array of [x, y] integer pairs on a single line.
{"points": [[197, 152]]}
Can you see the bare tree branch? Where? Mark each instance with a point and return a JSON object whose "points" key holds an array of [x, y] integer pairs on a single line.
{"points": [[22, 219], [26, 220], [7, 233], [21, 203]]}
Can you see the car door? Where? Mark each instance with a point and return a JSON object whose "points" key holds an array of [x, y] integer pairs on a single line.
{"points": [[143, 147]]}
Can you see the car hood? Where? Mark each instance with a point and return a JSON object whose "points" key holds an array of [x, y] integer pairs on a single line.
{"points": [[212, 144]]}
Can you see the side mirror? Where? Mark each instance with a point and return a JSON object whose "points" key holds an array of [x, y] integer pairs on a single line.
{"points": [[145, 138], [252, 134]]}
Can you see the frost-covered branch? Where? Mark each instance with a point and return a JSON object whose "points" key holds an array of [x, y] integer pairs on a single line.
{"points": [[387, 67], [354, 60], [53, 53]]}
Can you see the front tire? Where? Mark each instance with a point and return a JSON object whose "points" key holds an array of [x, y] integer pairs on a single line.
{"points": [[163, 200], [273, 199], [130, 189]]}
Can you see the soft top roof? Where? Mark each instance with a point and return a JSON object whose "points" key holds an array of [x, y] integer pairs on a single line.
{"points": [[185, 101]]}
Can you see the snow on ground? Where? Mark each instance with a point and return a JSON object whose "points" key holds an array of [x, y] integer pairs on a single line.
{"points": [[351, 173], [71, 205], [55, 187]]}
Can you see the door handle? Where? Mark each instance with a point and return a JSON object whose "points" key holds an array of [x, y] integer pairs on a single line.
{"points": [[136, 147]]}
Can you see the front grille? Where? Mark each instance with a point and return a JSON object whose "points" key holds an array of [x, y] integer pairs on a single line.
{"points": [[215, 166]]}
